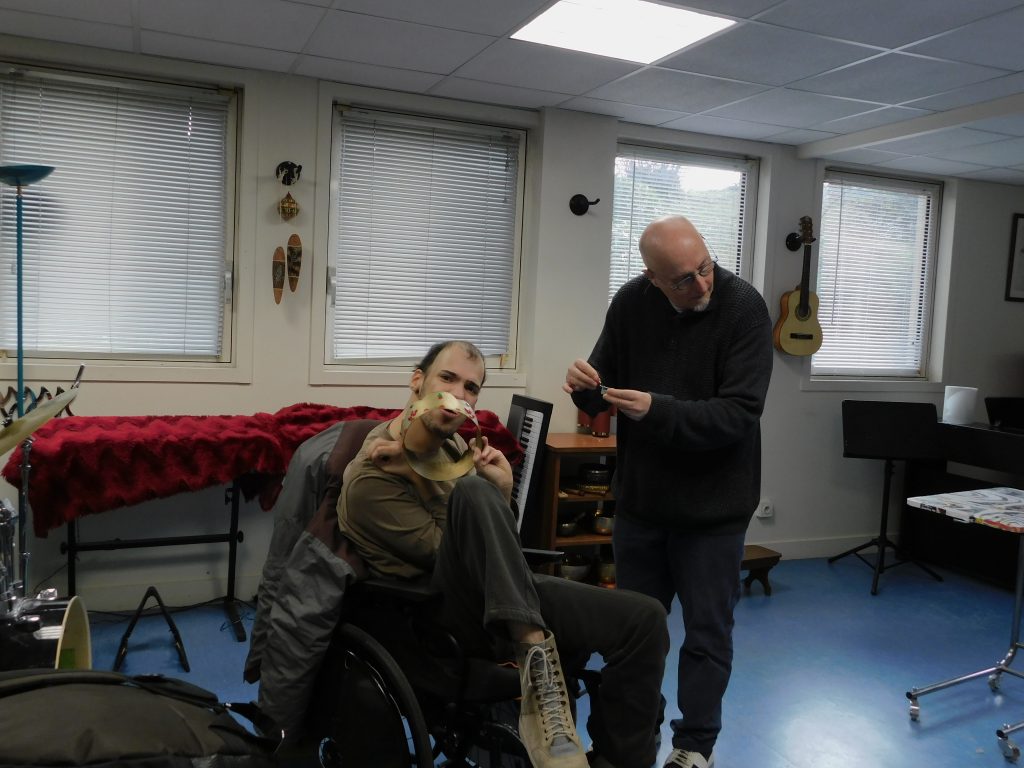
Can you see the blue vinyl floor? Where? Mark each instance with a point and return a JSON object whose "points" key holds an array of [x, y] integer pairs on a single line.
{"points": [[820, 674]]}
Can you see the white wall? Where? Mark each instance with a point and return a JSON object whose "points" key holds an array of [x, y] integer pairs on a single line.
{"points": [[823, 503]]}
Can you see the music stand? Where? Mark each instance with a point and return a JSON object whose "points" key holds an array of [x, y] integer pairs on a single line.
{"points": [[889, 431]]}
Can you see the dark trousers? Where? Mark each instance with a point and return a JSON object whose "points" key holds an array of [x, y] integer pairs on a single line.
{"points": [[703, 570], [486, 583]]}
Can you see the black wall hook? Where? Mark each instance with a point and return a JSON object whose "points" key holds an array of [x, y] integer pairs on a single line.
{"points": [[579, 204], [794, 241]]}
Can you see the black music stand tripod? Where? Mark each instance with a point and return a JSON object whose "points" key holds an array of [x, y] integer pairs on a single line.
{"points": [[889, 431]]}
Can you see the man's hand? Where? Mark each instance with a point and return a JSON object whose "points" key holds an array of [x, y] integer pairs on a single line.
{"points": [[581, 375], [629, 402], [492, 465]]}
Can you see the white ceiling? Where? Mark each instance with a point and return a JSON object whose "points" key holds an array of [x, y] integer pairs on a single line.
{"points": [[930, 86]]}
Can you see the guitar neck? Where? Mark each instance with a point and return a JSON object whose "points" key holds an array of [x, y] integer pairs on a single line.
{"points": [[803, 308]]}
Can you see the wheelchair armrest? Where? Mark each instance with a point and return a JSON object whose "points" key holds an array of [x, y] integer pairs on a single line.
{"points": [[542, 556], [407, 590]]}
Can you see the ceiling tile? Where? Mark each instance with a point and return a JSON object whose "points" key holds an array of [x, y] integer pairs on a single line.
{"points": [[372, 40], [799, 136], [939, 141], [105, 11], [1002, 35], [872, 119], [490, 93], [226, 54], [668, 89], [792, 109], [760, 53], [529, 65], [888, 23], [264, 23], [628, 112], [98, 35], [862, 156], [931, 165], [1008, 152], [974, 94], [895, 77], [998, 175], [486, 17], [366, 74], [723, 126], [1011, 125]]}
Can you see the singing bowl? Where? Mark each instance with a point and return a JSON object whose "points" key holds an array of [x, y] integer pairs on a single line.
{"points": [[573, 572], [568, 529], [606, 573], [604, 525]]}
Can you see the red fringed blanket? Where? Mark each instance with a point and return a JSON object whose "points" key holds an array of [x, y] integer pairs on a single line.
{"points": [[83, 465]]}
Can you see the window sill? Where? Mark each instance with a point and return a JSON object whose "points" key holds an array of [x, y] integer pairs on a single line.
{"points": [[841, 384], [53, 372], [388, 377]]}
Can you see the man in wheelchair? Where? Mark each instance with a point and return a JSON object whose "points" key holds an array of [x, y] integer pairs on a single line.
{"points": [[418, 503]]}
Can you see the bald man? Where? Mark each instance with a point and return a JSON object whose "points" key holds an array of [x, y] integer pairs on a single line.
{"points": [[685, 355]]}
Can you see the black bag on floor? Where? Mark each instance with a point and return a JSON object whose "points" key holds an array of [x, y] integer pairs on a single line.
{"points": [[106, 720]]}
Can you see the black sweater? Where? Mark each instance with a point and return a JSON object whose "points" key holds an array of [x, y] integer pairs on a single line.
{"points": [[693, 463]]}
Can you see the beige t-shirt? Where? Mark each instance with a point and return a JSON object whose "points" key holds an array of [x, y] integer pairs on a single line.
{"points": [[396, 530]]}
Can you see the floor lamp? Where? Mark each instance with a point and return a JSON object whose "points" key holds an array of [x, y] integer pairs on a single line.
{"points": [[21, 176]]}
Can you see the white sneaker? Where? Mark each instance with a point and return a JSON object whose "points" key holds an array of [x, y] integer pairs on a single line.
{"points": [[681, 758]]}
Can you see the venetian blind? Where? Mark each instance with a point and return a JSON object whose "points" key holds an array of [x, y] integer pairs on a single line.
{"points": [[876, 248], [124, 243], [425, 236], [711, 191]]}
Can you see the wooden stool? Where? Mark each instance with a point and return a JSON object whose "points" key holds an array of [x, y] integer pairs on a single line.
{"points": [[757, 561]]}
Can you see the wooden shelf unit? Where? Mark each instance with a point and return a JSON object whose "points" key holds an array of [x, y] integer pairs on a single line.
{"points": [[565, 451]]}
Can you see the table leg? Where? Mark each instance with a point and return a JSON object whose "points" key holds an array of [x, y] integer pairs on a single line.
{"points": [[995, 672]]}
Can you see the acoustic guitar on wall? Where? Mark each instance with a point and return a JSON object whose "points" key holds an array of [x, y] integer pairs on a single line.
{"points": [[797, 331]]}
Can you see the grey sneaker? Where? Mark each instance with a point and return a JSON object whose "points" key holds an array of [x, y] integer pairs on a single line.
{"points": [[682, 758], [545, 720]]}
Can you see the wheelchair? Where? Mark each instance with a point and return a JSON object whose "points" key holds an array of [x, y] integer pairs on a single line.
{"points": [[393, 689]]}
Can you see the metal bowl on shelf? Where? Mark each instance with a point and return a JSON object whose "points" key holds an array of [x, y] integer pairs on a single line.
{"points": [[574, 567], [570, 528], [604, 524]]}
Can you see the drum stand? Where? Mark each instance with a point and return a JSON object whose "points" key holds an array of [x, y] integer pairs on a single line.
{"points": [[122, 651]]}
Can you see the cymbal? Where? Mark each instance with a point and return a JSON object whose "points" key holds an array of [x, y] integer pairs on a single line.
{"points": [[21, 428]]}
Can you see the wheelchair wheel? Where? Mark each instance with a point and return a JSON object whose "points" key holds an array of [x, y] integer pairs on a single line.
{"points": [[375, 719]]}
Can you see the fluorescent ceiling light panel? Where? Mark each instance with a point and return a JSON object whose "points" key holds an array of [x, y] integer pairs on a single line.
{"points": [[633, 30]]}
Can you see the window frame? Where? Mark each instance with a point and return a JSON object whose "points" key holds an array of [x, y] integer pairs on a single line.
{"points": [[923, 379], [502, 372], [233, 365]]}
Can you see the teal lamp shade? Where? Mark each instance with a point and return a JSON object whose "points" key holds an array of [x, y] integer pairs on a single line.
{"points": [[21, 176]]}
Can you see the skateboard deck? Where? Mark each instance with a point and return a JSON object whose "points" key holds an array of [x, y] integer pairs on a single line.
{"points": [[294, 261], [277, 267]]}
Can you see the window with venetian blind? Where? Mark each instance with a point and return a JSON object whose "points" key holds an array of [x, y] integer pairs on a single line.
{"points": [[876, 254], [126, 244], [425, 237], [715, 193]]}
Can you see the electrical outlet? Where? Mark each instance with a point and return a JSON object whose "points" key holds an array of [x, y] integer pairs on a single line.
{"points": [[764, 509]]}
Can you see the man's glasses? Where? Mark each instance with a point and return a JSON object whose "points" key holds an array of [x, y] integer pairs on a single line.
{"points": [[686, 281]]}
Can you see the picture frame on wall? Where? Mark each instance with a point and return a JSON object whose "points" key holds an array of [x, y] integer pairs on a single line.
{"points": [[1015, 269]]}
